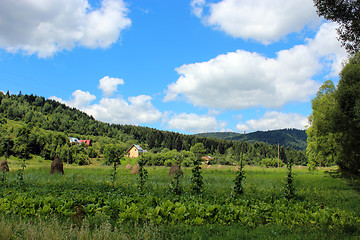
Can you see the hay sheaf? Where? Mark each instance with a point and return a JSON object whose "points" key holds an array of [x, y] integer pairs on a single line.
{"points": [[135, 169], [173, 170], [219, 166], [128, 166], [4, 166], [57, 166]]}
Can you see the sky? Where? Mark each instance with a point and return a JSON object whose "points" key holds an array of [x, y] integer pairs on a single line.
{"points": [[187, 66]]}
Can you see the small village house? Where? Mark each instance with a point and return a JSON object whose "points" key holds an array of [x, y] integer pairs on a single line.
{"points": [[134, 151], [86, 142], [74, 140], [206, 159]]}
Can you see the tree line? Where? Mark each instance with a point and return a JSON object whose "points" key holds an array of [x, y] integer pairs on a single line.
{"points": [[33, 125], [334, 132]]}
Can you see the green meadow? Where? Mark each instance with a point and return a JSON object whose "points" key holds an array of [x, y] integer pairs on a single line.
{"points": [[85, 203]]}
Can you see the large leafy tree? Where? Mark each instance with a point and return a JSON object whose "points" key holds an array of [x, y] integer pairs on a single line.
{"points": [[347, 14], [322, 146], [347, 117], [113, 154]]}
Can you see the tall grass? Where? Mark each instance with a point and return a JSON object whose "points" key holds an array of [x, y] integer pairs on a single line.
{"points": [[54, 229], [318, 188]]}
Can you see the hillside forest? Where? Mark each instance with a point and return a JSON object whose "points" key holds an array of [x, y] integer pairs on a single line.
{"points": [[32, 126]]}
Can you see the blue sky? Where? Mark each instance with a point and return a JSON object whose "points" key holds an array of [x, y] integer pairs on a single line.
{"points": [[187, 66]]}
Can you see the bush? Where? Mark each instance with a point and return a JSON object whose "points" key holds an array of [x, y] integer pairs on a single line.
{"points": [[169, 162], [271, 162], [92, 152], [82, 159], [187, 162]]}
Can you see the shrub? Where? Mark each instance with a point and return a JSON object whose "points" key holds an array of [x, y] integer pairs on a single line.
{"points": [[187, 162], [169, 162], [271, 162]]}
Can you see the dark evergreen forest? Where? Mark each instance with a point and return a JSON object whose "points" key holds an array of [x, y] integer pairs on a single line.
{"points": [[285, 137]]}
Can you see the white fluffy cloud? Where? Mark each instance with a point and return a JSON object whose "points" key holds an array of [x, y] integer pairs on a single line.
{"points": [[136, 110], [274, 120], [109, 85], [45, 27], [241, 79], [79, 99], [261, 20], [194, 123]]}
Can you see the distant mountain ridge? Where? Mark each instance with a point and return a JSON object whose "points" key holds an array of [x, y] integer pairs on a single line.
{"points": [[294, 138]]}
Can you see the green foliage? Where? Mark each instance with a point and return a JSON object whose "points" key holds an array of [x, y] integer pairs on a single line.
{"points": [[271, 162], [3, 176], [323, 146], [293, 138], [289, 186], [92, 153], [113, 154], [335, 130], [324, 203], [240, 176], [197, 179], [175, 185], [113, 174], [143, 174], [188, 162], [347, 117], [168, 162], [346, 14], [51, 123]]}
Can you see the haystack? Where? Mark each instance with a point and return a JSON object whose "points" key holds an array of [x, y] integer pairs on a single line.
{"points": [[209, 166], [78, 216], [219, 166], [128, 166], [135, 169], [173, 170], [57, 166], [237, 168], [4, 165]]}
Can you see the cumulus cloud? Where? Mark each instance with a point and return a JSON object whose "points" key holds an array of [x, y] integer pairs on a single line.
{"points": [[261, 20], [109, 85], [136, 110], [81, 98], [78, 100], [194, 123], [242, 79], [274, 120], [45, 27]]}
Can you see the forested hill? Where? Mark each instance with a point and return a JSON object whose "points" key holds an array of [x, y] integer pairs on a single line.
{"points": [[34, 126], [32, 114], [285, 137]]}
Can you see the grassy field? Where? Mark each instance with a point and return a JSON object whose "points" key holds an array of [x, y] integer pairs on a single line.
{"points": [[84, 204]]}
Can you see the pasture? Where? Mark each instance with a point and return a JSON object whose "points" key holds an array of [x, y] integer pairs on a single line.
{"points": [[85, 204]]}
